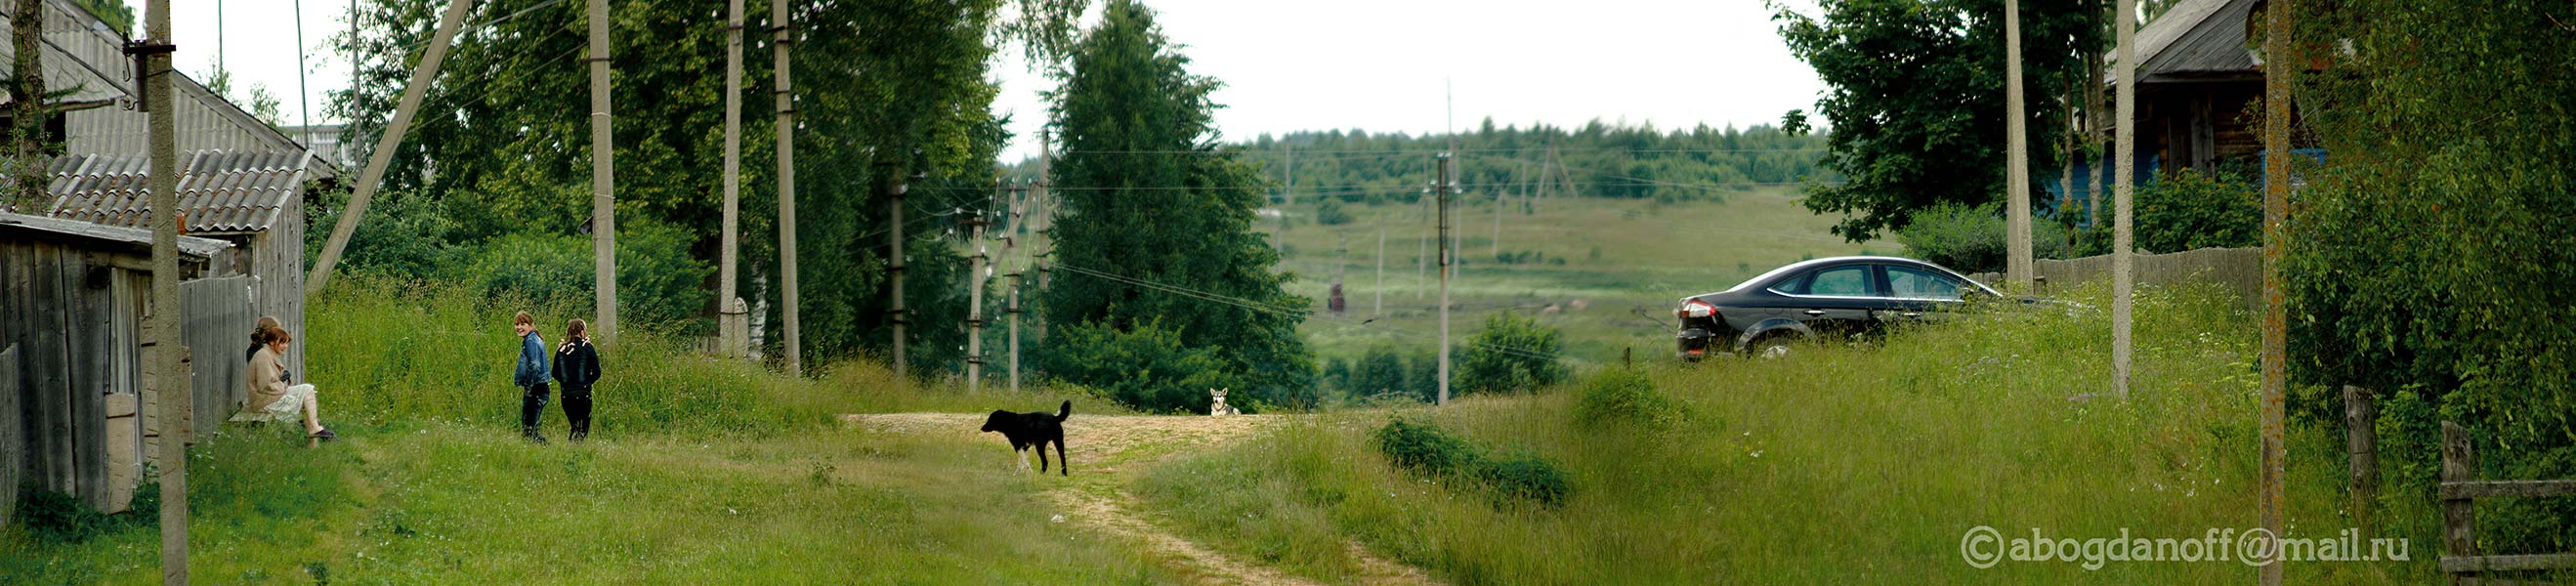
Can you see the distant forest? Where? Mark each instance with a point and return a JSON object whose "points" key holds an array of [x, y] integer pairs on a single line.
{"points": [[1596, 160]]}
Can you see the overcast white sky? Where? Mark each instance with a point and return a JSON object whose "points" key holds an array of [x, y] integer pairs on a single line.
{"points": [[1378, 65]]}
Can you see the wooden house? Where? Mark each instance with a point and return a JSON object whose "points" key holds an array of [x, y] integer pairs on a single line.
{"points": [[73, 301]]}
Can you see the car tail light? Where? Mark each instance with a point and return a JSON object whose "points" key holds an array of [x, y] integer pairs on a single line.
{"points": [[1697, 309]]}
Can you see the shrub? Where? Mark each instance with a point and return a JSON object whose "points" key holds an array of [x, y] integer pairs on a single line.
{"points": [[1960, 237], [54, 517], [1621, 396], [1513, 353], [1527, 477], [1423, 448], [1380, 372], [2190, 209], [658, 280], [1329, 212]]}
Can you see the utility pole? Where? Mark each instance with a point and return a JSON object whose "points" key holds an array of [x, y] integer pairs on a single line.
{"points": [[975, 301], [894, 186], [385, 144], [1379, 308], [168, 381], [733, 320], [783, 29], [2279, 63], [2122, 280], [603, 178], [1045, 209], [1019, 224], [1442, 191], [1421, 263], [2017, 255]]}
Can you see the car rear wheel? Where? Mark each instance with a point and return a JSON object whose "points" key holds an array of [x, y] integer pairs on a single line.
{"points": [[1774, 347]]}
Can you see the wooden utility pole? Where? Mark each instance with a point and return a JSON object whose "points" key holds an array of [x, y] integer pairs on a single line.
{"points": [[2122, 279], [1019, 263], [2017, 255], [603, 179], [783, 31], [169, 380], [1502, 203], [733, 322], [888, 174], [383, 155], [1441, 190], [2278, 65], [975, 301]]}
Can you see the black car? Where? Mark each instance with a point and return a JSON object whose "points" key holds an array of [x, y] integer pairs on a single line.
{"points": [[1818, 299]]}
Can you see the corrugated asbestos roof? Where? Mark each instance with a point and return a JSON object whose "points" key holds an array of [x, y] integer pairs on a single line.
{"points": [[189, 245], [219, 191]]}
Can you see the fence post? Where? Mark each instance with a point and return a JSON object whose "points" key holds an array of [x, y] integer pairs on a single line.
{"points": [[2459, 514], [2361, 438]]}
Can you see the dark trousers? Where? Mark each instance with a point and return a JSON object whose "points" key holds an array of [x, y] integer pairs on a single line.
{"points": [[577, 410], [532, 405]]}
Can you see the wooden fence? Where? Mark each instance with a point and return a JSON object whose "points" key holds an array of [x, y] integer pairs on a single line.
{"points": [[2460, 492], [218, 320]]}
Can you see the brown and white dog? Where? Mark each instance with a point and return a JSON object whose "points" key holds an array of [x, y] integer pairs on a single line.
{"points": [[1220, 408]]}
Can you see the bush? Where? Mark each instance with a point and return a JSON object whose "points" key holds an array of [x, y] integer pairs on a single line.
{"points": [[1329, 212], [1513, 353], [1525, 476], [1380, 372], [2189, 209], [1425, 449], [1621, 396], [1963, 238], [54, 517], [659, 284]]}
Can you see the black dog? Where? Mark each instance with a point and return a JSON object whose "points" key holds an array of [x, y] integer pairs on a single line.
{"points": [[1034, 429]]}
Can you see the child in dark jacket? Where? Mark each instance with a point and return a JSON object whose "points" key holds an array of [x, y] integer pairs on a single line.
{"points": [[576, 368], [530, 375]]}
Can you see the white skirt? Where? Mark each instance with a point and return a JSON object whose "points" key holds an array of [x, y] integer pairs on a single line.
{"points": [[286, 408]]}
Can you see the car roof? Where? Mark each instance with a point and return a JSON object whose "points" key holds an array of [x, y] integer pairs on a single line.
{"points": [[1796, 267]]}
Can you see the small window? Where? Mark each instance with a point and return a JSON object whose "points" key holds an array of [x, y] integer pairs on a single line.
{"points": [[1912, 283], [1844, 281]]}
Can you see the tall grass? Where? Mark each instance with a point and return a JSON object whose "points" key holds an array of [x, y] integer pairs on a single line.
{"points": [[1840, 465]]}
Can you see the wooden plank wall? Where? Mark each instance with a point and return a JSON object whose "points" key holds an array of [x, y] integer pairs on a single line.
{"points": [[11, 460], [66, 309], [219, 318]]}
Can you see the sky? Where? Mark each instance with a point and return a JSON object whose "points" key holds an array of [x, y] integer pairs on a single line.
{"points": [[1414, 66]]}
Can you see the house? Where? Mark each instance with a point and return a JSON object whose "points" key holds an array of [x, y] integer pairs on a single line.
{"points": [[2200, 84], [73, 301]]}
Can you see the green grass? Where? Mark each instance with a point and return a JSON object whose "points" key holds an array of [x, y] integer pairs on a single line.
{"points": [[1839, 465], [1650, 255], [698, 471]]}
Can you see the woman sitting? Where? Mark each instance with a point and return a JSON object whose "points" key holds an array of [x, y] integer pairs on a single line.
{"points": [[271, 399]]}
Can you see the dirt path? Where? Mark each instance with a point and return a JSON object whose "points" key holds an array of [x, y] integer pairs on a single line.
{"points": [[1108, 449]]}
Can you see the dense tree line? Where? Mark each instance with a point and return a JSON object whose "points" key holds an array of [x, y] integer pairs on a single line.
{"points": [[1597, 160]]}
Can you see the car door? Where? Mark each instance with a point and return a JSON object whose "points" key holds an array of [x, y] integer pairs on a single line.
{"points": [[1915, 295], [1836, 301]]}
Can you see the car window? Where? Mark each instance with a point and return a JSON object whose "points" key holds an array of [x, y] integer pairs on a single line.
{"points": [[1848, 281], [1912, 283]]}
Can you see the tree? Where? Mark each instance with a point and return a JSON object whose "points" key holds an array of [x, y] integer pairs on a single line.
{"points": [[1512, 354], [1379, 372], [899, 82], [28, 151], [2429, 257], [1915, 99], [1156, 222]]}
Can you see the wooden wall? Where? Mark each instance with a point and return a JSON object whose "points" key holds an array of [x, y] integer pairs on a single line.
{"points": [[58, 305], [12, 459], [219, 317]]}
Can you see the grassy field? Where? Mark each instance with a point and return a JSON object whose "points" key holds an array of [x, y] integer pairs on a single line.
{"points": [[699, 471], [1839, 465], [1601, 262]]}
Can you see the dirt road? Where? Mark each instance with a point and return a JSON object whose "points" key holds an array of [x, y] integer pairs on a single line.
{"points": [[1107, 450]]}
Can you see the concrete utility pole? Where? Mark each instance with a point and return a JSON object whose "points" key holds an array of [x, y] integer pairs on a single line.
{"points": [[2122, 280], [603, 178], [2278, 65], [1019, 227], [2017, 256], [1442, 191], [783, 31], [1380, 307], [384, 154], [975, 300], [887, 172], [1421, 262], [168, 380], [733, 321]]}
